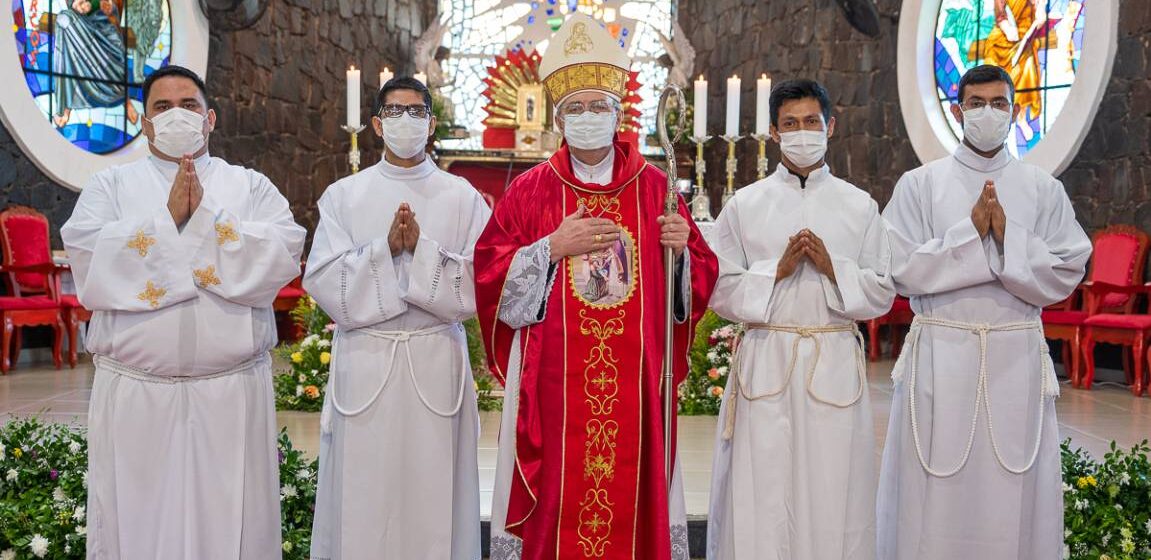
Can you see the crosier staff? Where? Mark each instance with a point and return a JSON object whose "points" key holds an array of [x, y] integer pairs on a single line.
{"points": [[671, 206]]}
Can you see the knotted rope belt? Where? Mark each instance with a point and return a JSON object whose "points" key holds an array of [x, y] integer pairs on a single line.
{"points": [[801, 334], [112, 365]]}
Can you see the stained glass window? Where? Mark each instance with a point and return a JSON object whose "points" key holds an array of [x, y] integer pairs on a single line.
{"points": [[85, 61], [1038, 42], [481, 29]]}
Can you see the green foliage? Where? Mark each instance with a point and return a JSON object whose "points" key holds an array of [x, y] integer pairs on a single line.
{"points": [[485, 383], [302, 386], [44, 492], [1107, 505], [711, 353], [297, 499]]}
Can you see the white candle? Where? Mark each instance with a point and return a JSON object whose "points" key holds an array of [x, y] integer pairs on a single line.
{"points": [[421, 77], [700, 121], [763, 105], [733, 85], [385, 76], [353, 97]]}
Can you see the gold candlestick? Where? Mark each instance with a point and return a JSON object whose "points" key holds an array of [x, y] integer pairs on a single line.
{"points": [[761, 163], [732, 164], [354, 150]]}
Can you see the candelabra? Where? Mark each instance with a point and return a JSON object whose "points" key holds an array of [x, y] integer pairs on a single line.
{"points": [[701, 202], [731, 165], [761, 163], [354, 150]]}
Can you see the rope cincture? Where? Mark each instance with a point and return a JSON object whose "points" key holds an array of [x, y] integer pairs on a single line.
{"points": [[113, 365], [397, 338], [982, 394], [801, 332]]}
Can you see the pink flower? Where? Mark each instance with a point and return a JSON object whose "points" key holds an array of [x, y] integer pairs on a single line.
{"points": [[713, 373], [330, 327]]}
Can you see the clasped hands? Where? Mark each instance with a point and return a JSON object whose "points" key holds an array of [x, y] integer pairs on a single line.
{"points": [[804, 245], [580, 234], [987, 214]]}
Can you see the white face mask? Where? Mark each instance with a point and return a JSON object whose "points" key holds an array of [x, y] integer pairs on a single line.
{"points": [[986, 128], [589, 131], [405, 136], [178, 132], [803, 148]]}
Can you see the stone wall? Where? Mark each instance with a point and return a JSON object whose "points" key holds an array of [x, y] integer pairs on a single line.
{"points": [[279, 91], [1109, 180]]}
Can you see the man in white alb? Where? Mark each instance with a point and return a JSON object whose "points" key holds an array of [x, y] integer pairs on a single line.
{"points": [[392, 265], [179, 256], [981, 242], [803, 255]]}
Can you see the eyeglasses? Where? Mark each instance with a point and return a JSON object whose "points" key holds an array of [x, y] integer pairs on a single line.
{"points": [[598, 107], [394, 110], [997, 104]]}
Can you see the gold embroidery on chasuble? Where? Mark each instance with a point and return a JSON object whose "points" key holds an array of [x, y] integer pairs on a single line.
{"points": [[151, 295], [206, 276], [226, 233], [601, 388], [141, 242]]}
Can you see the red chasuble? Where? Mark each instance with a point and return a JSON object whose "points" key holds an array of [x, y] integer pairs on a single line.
{"points": [[590, 479]]}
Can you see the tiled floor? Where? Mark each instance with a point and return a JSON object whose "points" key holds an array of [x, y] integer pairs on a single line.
{"points": [[1090, 418]]}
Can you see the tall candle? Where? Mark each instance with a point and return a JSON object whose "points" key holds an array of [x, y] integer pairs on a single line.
{"points": [[353, 97], [763, 105], [385, 76], [421, 77], [733, 85], [700, 122]]}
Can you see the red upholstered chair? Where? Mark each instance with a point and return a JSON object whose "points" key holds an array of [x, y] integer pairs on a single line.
{"points": [[287, 300], [899, 316], [32, 283], [1127, 329], [1119, 254]]}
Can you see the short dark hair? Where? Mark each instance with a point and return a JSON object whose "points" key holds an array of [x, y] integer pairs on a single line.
{"points": [[792, 90], [402, 82], [986, 74], [170, 71]]}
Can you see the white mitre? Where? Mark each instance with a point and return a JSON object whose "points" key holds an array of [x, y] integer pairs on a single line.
{"points": [[583, 56]]}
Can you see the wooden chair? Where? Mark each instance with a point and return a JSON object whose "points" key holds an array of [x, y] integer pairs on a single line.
{"points": [[1120, 252], [32, 282], [899, 316], [1126, 329]]}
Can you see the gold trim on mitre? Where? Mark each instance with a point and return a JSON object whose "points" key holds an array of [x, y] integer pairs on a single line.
{"points": [[584, 56]]}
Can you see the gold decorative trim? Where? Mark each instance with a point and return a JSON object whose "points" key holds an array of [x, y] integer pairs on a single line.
{"points": [[579, 189], [141, 242], [151, 295], [226, 233], [206, 276], [601, 390], [587, 75]]}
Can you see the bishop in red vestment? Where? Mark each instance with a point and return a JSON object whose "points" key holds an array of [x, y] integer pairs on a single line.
{"points": [[570, 294]]}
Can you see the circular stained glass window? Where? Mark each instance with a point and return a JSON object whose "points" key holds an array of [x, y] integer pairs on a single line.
{"points": [[1038, 42], [85, 61]]}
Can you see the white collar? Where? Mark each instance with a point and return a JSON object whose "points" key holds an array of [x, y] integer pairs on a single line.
{"points": [[595, 174]]}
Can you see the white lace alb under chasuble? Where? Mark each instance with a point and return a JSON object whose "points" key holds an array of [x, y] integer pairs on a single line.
{"points": [[182, 452], [794, 471], [398, 467], [971, 466]]}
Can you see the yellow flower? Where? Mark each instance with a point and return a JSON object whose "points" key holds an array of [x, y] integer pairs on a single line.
{"points": [[17, 452], [717, 391], [326, 358], [297, 357], [1085, 481], [311, 391]]}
